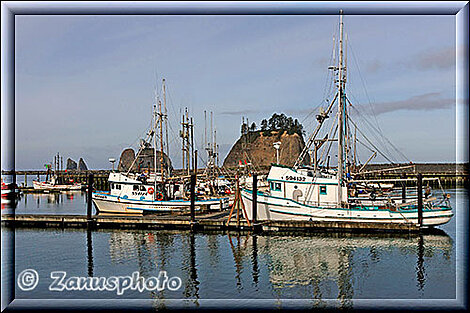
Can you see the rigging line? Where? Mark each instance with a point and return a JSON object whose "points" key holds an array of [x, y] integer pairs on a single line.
{"points": [[329, 146], [364, 145], [382, 136], [379, 139], [381, 153], [329, 134], [365, 89], [328, 79], [327, 92], [136, 141], [365, 137], [375, 133]]}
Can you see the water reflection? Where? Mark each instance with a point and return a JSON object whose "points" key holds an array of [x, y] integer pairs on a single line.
{"points": [[192, 288], [159, 250], [219, 265], [316, 261], [89, 245], [63, 202], [420, 273], [238, 253], [317, 266], [254, 261]]}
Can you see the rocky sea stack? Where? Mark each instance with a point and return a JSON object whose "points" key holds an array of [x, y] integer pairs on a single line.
{"points": [[145, 160]]}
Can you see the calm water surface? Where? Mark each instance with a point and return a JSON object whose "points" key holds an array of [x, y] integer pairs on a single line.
{"points": [[238, 266]]}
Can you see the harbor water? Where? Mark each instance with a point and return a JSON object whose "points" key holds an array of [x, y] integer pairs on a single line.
{"points": [[268, 270]]}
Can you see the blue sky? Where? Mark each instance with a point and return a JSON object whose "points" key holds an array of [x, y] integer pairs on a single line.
{"points": [[85, 84]]}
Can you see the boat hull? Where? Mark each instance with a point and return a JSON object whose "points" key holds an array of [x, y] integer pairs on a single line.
{"points": [[106, 203], [278, 209], [48, 186]]}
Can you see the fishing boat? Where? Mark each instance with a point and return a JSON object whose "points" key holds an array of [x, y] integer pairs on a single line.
{"points": [[54, 185], [323, 193], [157, 191], [55, 181], [10, 193]]}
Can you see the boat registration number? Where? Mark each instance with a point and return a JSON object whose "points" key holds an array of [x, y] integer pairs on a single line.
{"points": [[296, 178]]}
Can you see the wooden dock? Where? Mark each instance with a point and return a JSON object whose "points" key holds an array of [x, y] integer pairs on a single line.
{"points": [[451, 175], [210, 221]]}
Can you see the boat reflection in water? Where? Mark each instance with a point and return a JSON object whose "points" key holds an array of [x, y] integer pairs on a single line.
{"points": [[324, 269], [343, 259]]}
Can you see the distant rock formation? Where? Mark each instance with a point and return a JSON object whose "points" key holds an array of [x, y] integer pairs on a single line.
{"points": [[81, 165], [259, 148], [71, 165], [144, 162]]}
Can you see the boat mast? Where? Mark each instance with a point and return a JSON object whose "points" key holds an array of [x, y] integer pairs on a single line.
{"points": [[160, 120], [191, 129], [154, 143], [212, 147], [188, 152], [205, 132], [166, 127], [216, 154], [341, 110]]}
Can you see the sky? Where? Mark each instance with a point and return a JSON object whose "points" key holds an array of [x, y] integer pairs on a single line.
{"points": [[85, 84]]}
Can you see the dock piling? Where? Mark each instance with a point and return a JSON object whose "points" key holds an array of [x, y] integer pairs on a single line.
{"points": [[420, 199], [403, 189], [193, 196], [254, 206], [89, 199]]}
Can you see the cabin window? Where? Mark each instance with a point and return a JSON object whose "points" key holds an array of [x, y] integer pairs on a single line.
{"points": [[323, 190], [111, 186], [275, 186], [118, 186], [136, 187], [142, 188]]}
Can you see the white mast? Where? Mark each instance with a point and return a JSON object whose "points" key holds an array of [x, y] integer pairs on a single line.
{"points": [[341, 108]]}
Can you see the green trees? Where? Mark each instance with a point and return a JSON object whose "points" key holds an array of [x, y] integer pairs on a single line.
{"points": [[253, 127], [277, 122]]}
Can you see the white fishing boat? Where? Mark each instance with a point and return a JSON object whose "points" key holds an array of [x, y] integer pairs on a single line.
{"points": [[322, 193], [153, 192], [53, 184]]}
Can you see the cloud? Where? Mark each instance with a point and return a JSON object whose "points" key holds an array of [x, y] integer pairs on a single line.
{"points": [[239, 112], [425, 102], [440, 59]]}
